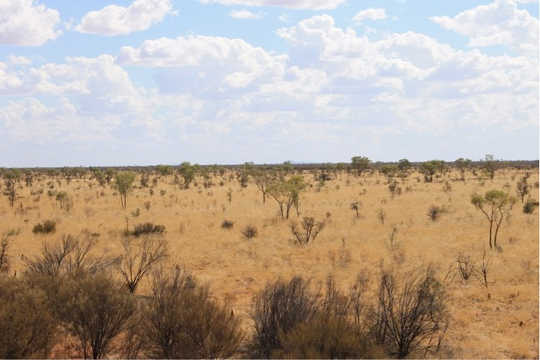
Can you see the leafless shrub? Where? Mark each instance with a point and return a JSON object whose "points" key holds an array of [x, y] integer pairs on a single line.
{"points": [[279, 308], [69, 256], [249, 232], [435, 212], [139, 257], [381, 215], [182, 321], [311, 229], [411, 316], [466, 267]]}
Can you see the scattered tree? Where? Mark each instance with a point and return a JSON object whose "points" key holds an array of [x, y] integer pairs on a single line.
{"points": [[124, 181], [495, 205]]}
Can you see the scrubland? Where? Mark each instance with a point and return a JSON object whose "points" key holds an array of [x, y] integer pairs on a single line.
{"points": [[390, 231]]}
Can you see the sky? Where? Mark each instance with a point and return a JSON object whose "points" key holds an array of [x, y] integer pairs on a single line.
{"points": [[143, 82]]}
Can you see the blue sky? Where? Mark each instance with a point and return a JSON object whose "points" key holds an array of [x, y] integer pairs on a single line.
{"points": [[134, 82]]}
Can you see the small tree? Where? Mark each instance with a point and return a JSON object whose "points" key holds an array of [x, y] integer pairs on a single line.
{"points": [[360, 164], [124, 181], [10, 183], [430, 168], [490, 166], [462, 165], [139, 257], [263, 180], [404, 165], [522, 188], [287, 194], [495, 205], [187, 171]]}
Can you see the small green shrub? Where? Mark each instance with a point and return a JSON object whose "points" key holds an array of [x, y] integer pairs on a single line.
{"points": [[530, 206], [227, 224]]}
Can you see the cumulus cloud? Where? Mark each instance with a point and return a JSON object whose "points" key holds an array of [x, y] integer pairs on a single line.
{"points": [[204, 64], [291, 4], [27, 23], [116, 20], [244, 14], [498, 23], [333, 84], [370, 14]]}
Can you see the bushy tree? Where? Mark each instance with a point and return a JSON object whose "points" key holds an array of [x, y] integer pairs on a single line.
{"points": [[287, 193], [495, 205], [124, 181], [360, 164], [187, 171]]}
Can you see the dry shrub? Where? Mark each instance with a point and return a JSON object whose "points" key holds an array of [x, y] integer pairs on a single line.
{"points": [[27, 326], [308, 233], [227, 224], [138, 258], [94, 309], [71, 255], [530, 206], [47, 227], [249, 232], [181, 320], [411, 315], [435, 212], [278, 308], [146, 229]]}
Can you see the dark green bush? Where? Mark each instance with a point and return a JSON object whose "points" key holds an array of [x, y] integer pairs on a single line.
{"points": [[47, 227], [530, 206], [27, 326], [147, 229], [182, 320]]}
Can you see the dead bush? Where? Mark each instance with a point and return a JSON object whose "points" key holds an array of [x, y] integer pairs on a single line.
{"points": [[411, 315], [308, 233], [249, 232], [138, 258], [435, 212], [72, 255], [277, 309], [181, 320]]}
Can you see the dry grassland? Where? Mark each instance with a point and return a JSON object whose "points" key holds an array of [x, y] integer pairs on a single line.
{"points": [[500, 321]]}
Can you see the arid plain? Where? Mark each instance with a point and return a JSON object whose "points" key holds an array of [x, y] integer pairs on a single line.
{"points": [[389, 231]]}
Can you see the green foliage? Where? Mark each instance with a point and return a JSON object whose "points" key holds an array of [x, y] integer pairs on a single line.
{"points": [[495, 205], [430, 168], [94, 309], [187, 171], [163, 170], [47, 227], [530, 206], [287, 193], [124, 181], [404, 165], [360, 164], [27, 326], [182, 320]]}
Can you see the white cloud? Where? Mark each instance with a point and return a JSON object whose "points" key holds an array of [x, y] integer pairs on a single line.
{"points": [[205, 64], [27, 23], [19, 60], [244, 14], [498, 23], [116, 20], [370, 14], [291, 4], [334, 85]]}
